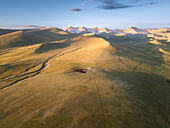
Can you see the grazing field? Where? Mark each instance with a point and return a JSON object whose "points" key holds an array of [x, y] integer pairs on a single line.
{"points": [[126, 84]]}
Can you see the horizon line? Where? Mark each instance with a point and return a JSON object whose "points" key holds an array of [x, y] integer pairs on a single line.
{"points": [[19, 28]]}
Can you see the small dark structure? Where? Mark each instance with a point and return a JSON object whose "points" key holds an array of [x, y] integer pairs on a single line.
{"points": [[168, 81], [81, 70]]}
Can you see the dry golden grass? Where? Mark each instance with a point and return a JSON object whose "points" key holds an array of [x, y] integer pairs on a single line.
{"points": [[126, 86], [155, 42]]}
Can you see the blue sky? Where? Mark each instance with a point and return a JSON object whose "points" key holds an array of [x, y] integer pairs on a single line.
{"points": [[89, 13]]}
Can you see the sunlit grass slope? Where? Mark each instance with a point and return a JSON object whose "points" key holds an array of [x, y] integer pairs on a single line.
{"points": [[125, 87], [31, 37]]}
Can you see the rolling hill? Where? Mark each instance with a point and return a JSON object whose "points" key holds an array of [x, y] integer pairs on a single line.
{"points": [[6, 31], [31, 37], [126, 84]]}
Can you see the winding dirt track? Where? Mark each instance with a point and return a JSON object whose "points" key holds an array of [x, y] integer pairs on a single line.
{"points": [[35, 73]]}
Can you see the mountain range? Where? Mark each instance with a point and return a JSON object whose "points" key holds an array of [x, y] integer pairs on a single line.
{"points": [[131, 30]]}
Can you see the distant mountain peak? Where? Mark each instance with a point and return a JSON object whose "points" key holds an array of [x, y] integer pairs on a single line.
{"points": [[132, 27], [83, 29], [135, 30], [118, 31], [96, 30], [41, 28]]}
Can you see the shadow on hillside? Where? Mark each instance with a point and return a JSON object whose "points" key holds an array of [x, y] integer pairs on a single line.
{"points": [[36, 38], [152, 89], [138, 50], [6, 31], [33, 37], [50, 46], [164, 41]]}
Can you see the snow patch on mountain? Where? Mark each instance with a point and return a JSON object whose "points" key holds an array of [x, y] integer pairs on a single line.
{"points": [[131, 30], [87, 30]]}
